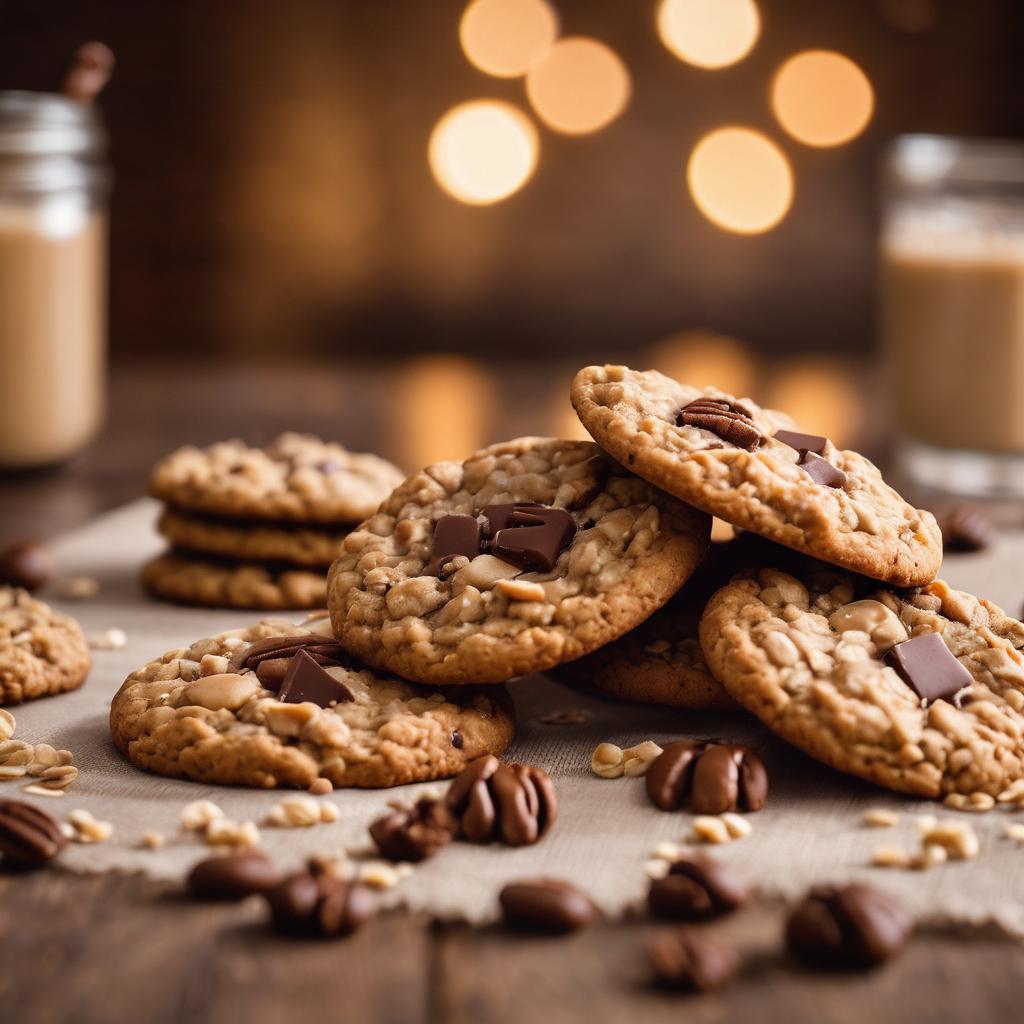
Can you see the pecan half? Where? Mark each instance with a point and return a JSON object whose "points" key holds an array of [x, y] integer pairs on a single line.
{"points": [[730, 422]]}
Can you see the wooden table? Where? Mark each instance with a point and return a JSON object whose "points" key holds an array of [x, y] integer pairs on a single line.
{"points": [[107, 949]]}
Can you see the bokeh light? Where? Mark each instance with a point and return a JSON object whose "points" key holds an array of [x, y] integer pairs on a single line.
{"points": [[561, 420], [704, 359], [441, 410], [709, 33], [822, 98], [909, 15], [820, 395], [505, 37], [740, 180], [578, 86], [483, 151]]}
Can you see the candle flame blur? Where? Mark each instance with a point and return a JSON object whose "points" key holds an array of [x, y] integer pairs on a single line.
{"points": [[709, 33], [579, 86], [506, 37], [704, 359], [740, 180], [822, 98], [483, 151]]}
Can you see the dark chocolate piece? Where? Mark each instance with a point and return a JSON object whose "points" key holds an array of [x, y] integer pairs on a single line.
{"points": [[928, 667], [802, 442], [325, 650], [308, 681], [232, 877], [453, 536], [697, 887], [29, 837], [967, 529], [730, 421], [497, 516], [25, 564], [821, 471], [856, 926], [546, 905], [694, 963], [534, 538], [709, 778]]}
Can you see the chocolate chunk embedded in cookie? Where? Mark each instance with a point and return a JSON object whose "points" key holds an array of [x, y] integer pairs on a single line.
{"points": [[814, 659], [830, 504], [203, 713], [579, 552]]}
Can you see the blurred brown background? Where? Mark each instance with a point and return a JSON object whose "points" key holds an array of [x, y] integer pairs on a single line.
{"points": [[273, 195]]}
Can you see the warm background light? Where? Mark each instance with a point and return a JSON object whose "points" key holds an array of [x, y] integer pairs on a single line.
{"points": [[578, 86], [740, 180], [821, 395], [709, 33], [822, 98], [483, 151], [705, 359], [505, 37]]}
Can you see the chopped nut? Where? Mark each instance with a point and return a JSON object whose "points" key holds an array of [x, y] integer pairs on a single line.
{"points": [[11, 771], [926, 822], [978, 802], [328, 813], [957, 837], [667, 851], [43, 756], [36, 790], [153, 840], [636, 760], [1013, 794], [521, 590], [931, 856], [656, 868], [711, 829], [738, 826], [88, 829], [60, 776], [78, 588], [880, 817], [889, 857], [213, 665], [7, 724], [108, 640], [15, 753], [321, 787], [1015, 831], [198, 815], [221, 832], [378, 875], [607, 761], [295, 812]]}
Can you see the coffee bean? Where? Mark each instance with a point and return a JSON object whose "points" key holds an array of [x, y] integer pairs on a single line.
{"points": [[318, 905], [966, 528], [855, 926], [709, 778], [697, 887], [685, 960], [29, 837], [232, 877], [546, 905], [414, 833], [25, 564]]}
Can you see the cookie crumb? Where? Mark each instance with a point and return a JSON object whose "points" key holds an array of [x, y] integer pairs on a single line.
{"points": [[321, 787], [88, 829], [1015, 831], [889, 857], [880, 817], [711, 829], [221, 832], [295, 812], [153, 840], [109, 640], [199, 814], [737, 826], [656, 868], [667, 851], [378, 875], [78, 588]]}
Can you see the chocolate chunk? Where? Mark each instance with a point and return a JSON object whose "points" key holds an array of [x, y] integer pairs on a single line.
{"points": [[731, 422], [308, 681], [534, 538], [498, 517], [694, 963], [324, 650], [512, 803], [25, 564], [457, 741], [316, 904], [695, 888], [414, 833], [709, 778], [821, 471], [545, 905], [802, 442], [856, 926], [928, 667], [967, 529], [29, 837], [232, 877], [453, 536]]}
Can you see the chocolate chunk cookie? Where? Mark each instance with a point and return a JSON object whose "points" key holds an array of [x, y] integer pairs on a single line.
{"points": [[41, 651], [529, 554], [297, 477], [281, 705], [921, 691], [212, 583], [744, 464]]}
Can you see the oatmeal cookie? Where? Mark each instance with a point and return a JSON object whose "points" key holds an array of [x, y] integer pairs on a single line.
{"points": [[722, 454], [251, 541], [210, 583], [297, 478], [436, 606], [41, 651], [920, 691], [234, 709]]}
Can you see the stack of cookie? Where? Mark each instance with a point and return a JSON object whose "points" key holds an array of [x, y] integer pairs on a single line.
{"points": [[258, 527]]}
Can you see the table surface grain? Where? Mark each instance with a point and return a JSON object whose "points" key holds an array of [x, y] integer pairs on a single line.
{"points": [[107, 949]]}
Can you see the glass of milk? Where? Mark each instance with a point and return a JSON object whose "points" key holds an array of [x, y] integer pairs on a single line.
{"points": [[952, 264], [53, 193]]}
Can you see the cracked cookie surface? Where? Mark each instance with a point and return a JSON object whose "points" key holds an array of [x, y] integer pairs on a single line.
{"points": [[489, 621], [41, 651], [195, 713], [807, 656], [297, 478], [864, 525], [192, 579]]}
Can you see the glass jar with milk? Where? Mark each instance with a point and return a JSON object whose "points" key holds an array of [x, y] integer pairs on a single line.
{"points": [[953, 312], [54, 183]]}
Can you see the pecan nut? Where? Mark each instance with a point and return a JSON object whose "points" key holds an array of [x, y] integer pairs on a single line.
{"points": [[709, 778], [731, 422], [691, 962], [319, 905], [414, 833], [511, 803], [29, 837], [696, 888]]}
